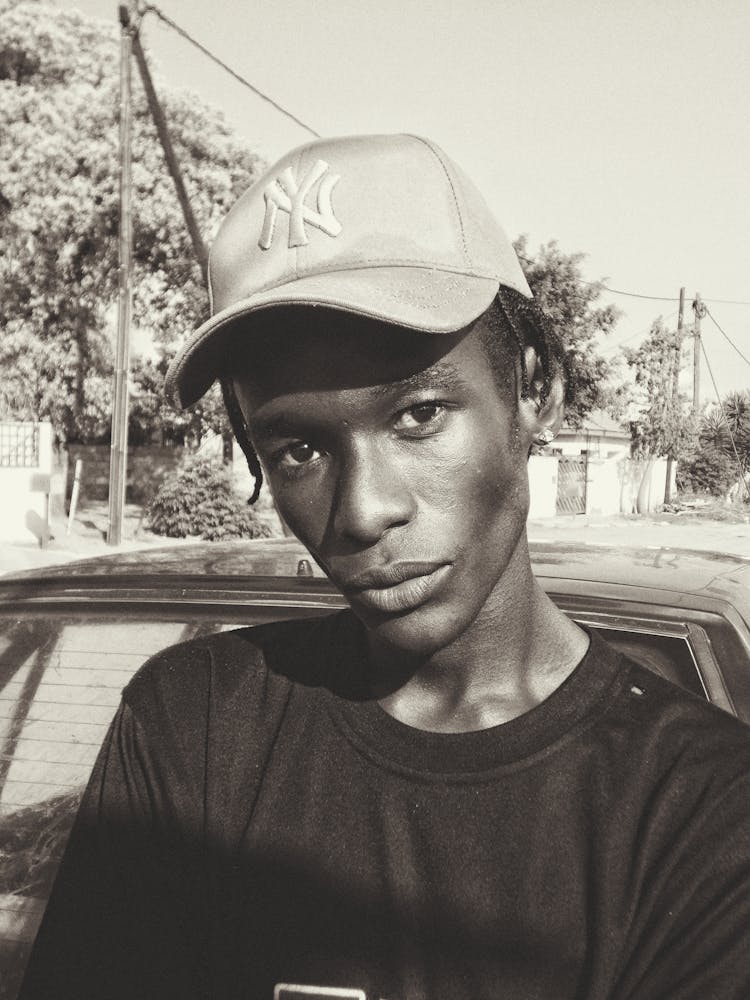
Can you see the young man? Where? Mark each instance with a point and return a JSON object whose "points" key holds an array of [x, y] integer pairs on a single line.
{"points": [[450, 791]]}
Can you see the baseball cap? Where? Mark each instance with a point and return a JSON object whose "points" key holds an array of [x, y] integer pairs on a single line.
{"points": [[382, 226]]}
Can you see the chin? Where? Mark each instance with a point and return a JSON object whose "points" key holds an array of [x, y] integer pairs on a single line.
{"points": [[421, 632]]}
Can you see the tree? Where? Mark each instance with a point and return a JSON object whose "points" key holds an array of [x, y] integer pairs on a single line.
{"points": [[59, 213], [152, 417], [556, 280], [722, 454], [706, 471], [662, 425], [736, 408]]}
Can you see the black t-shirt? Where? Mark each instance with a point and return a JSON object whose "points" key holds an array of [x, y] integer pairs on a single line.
{"points": [[256, 828]]}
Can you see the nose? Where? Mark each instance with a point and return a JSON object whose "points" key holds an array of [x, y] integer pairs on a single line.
{"points": [[372, 496]]}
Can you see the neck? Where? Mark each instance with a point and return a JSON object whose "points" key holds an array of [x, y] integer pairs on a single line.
{"points": [[513, 655]]}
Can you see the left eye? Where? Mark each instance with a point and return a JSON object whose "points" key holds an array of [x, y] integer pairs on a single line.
{"points": [[297, 454], [419, 416]]}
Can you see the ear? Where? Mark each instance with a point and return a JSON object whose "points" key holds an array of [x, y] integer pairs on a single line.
{"points": [[541, 419]]}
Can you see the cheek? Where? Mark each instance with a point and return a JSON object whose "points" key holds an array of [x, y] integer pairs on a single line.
{"points": [[305, 509], [483, 477]]}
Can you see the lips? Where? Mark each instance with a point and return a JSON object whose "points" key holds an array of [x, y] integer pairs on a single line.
{"points": [[396, 587]]}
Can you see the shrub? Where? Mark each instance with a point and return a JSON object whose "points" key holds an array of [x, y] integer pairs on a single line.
{"points": [[706, 471], [198, 499]]}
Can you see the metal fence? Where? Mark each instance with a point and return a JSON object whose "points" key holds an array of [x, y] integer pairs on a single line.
{"points": [[19, 446], [571, 485]]}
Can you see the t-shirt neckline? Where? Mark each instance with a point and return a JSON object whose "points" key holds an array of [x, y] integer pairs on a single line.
{"points": [[389, 741]]}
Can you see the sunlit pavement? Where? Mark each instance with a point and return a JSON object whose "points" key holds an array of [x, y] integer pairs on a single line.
{"points": [[87, 537], [714, 536]]}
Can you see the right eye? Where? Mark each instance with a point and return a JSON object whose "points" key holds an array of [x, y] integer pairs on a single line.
{"points": [[297, 454]]}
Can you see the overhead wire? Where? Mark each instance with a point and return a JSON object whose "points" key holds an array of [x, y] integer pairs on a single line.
{"points": [[726, 336], [634, 295], [151, 8], [639, 295]]}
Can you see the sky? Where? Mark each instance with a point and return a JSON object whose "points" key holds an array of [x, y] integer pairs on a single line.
{"points": [[621, 129]]}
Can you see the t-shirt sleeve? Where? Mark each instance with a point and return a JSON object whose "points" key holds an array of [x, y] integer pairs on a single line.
{"points": [[693, 941], [117, 921]]}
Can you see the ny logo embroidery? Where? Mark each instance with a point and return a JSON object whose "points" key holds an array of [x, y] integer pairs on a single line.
{"points": [[285, 195]]}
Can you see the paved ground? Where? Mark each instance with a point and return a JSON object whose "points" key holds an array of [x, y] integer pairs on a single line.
{"points": [[672, 531], [88, 536]]}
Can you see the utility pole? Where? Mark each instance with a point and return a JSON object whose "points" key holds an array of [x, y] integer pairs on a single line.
{"points": [[675, 389], [199, 247], [119, 439], [700, 311]]}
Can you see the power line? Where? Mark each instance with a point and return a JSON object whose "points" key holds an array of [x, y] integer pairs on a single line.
{"points": [[151, 8], [634, 295], [640, 295], [729, 302], [241, 79], [727, 337]]}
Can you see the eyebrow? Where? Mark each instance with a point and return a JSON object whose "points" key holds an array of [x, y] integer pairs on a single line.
{"points": [[443, 377]]}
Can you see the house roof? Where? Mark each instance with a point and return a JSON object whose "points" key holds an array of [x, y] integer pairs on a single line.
{"points": [[598, 423]]}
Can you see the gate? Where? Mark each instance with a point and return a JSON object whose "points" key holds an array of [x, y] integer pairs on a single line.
{"points": [[571, 485]]}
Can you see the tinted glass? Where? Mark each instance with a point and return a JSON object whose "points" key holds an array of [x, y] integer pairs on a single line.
{"points": [[667, 655], [60, 684]]}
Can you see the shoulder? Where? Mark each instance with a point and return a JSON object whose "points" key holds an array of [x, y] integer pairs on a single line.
{"points": [[679, 738], [226, 665]]}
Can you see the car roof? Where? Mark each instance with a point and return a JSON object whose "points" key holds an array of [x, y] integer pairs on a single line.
{"points": [[719, 575]]}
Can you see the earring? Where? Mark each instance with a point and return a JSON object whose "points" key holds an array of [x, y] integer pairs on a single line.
{"points": [[545, 436]]}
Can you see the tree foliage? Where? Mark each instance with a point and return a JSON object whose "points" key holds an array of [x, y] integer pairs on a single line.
{"points": [[736, 415], [663, 425], [150, 415], [706, 471], [721, 456], [59, 212], [557, 282]]}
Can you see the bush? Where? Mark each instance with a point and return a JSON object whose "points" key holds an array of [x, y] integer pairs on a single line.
{"points": [[707, 470], [198, 499]]}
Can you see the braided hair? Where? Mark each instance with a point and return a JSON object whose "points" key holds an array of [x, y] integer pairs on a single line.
{"points": [[513, 323], [241, 433]]}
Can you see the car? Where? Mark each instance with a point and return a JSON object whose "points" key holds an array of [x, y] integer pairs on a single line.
{"points": [[72, 636]]}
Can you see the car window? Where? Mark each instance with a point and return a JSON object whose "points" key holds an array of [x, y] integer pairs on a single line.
{"points": [[667, 655], [60, 684]]}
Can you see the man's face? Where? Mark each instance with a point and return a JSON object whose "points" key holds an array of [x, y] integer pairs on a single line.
{"points": [[399, 462]]}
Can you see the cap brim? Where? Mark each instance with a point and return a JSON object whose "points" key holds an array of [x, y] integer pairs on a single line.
{"points": [[423, 299]]}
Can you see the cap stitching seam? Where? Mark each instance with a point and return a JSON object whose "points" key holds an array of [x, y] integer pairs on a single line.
{"points": [[298, 172], [448, 177], [376, 262]]}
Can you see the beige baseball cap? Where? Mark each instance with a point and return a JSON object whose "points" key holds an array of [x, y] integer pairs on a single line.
{"points": [[383, 226]]}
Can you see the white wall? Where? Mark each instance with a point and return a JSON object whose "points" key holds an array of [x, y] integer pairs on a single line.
{"points": [[612, 485], [542, 485], [24, 496], [632, 473]]}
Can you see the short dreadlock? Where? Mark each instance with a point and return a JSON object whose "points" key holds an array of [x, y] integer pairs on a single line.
{"points": [[513, 324]]}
